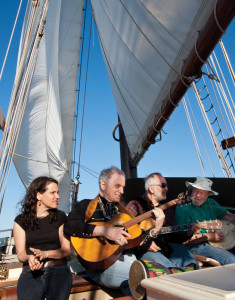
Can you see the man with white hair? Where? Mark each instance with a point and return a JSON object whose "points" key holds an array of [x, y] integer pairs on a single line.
{"points": [[86, 221], [202, 209], [166, 249]]}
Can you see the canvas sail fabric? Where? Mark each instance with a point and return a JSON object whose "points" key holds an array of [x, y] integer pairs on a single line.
{"points": [[44, 145], [144, 44]]}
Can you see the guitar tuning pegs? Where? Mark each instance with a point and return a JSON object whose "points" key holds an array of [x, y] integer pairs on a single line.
{"points": [[181, 196]]}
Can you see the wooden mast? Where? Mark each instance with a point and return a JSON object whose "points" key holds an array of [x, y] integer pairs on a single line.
{"points": [[130, 172], [208, 38]]}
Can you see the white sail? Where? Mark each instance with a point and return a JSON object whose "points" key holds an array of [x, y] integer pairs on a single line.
{"points": [[45, 140], [144, 44]]}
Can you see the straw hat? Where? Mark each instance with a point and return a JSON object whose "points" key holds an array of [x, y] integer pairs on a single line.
{"points": [[202, 183]]}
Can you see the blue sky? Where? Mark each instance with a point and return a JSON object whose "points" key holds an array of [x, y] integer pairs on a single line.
{"points": [[174, 156]]}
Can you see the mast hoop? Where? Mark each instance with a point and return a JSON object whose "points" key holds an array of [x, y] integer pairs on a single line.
{"points": [[175, 105], [184, 83], [195, 48], [156, 130], [114, 131], [162, 116], [216, 20], [151, 142]]}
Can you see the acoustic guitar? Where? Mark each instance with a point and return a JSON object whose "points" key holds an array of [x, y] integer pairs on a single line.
{"points": [[99, 253]]}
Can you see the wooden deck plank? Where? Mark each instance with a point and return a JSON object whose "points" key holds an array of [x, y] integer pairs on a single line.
{"points": [[80, 284]]}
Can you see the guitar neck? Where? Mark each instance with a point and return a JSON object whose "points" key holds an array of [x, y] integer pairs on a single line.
{"points": [[210, 226], [169, 229], [148, 214]]}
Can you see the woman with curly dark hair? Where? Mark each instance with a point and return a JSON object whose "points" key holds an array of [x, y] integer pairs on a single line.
{"points": [[41, 244]]}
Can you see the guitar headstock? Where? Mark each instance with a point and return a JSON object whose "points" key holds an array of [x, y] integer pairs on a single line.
{"points": [[212, 224], [183, 198]]}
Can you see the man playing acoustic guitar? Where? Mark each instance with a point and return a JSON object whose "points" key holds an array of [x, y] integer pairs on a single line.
{"points": [[93, 236], [166, 249], [204, 208]]}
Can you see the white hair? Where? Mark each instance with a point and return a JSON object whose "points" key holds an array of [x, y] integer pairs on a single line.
{"points": [[150, 180], [106, 174]]}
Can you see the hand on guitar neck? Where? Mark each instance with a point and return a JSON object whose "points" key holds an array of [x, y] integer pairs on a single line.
{"points": [[195, 228], [160, 217]]}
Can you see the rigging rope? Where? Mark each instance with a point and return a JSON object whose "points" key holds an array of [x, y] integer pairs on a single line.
{"points": [[227, 89], [78, 90], [224, 101], [221, 114], [212, 134], [84, 98], [228, 61], [25, 70], [13, 30], [89, 171], [195, 121], [194, 137]]}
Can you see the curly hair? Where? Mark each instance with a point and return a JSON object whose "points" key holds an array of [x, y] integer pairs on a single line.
{"points": [[29, 203]]}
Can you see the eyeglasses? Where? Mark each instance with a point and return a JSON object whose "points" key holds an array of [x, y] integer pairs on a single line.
{"points": [[162, 185]]}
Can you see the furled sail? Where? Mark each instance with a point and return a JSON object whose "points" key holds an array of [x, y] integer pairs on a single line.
{"points": [[144, 44], [44, 146]]}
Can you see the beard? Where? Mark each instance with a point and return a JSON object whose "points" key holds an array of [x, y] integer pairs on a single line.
{"points": [[196, 203]]}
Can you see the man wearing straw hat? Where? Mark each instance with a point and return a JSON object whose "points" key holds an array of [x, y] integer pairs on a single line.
{"points": [[202, 209]]}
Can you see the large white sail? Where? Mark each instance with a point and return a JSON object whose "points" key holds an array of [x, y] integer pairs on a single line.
{"points": [[45, 140], [144, 44]]}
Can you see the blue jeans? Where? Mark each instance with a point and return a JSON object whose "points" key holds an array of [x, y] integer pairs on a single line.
{"points": [[180, 257], [52, 282], [222, 256], [115, 276]]}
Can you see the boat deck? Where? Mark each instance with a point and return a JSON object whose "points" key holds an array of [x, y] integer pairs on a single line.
{"points": [[82, 288]]}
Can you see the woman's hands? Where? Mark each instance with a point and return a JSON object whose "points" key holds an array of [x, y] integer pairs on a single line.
{"points": [[34, 263], [39, 254]]}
